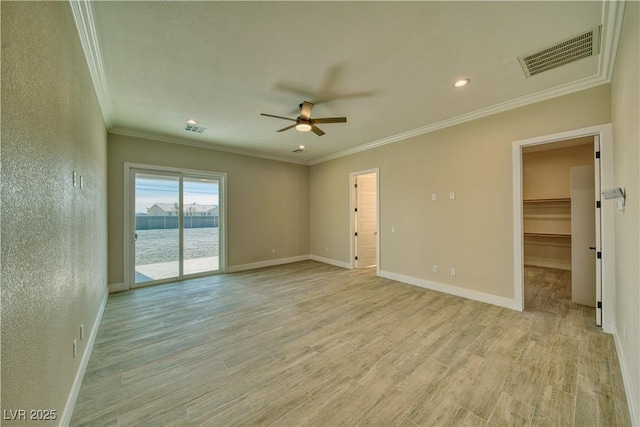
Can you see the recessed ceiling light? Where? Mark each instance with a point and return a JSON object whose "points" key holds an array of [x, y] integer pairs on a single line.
{"points": [[461, 83], [192, 122], [302, 147]]}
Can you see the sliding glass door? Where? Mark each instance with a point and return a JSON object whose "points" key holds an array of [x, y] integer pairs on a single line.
{"points": [[201, 215], [157, 226], [175, 225]]}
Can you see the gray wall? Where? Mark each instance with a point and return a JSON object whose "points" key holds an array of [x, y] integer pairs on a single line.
{"points": [[53, 235]]}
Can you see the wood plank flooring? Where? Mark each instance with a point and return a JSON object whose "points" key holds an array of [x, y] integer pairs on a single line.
{"points": [[311, 344]]}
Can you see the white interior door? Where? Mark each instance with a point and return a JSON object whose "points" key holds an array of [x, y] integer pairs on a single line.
{"points": [[366, 221], [584, 247]]}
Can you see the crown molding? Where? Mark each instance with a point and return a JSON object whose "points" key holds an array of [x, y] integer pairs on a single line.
{"points": [[612, 16], [201, 144], [544, 95], [83, 17]]}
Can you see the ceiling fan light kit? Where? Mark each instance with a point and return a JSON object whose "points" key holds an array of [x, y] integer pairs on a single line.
{"points": [[304, 122], [303, 126]]}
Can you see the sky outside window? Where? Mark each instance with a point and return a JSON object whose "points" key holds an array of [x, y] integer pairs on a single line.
{"points": [[151, 189]]}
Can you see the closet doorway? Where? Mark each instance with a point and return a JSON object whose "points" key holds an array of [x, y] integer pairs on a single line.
{"points": [[559, 215], [560, 218]]}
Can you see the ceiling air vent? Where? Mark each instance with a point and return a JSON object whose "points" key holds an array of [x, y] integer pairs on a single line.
{"points": [[192, 128], [578, 47]]}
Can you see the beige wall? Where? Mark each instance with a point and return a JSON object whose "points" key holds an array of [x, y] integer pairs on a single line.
{"points": [[267, 200], [625, 94], [547, 174], [474, 232], [54, 251]]}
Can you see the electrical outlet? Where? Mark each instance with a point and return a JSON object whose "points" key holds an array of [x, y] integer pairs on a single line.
{"points": [[75, 178], [326, 249], [434, 197], [393, 228], [75, 348], [273, 250], [453, 271], [81, 332], [435, 268], [452, 195]]}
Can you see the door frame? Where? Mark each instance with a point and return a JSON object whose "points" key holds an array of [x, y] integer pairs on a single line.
{"points": [[352, 225], [129, 214], [605, 134]]}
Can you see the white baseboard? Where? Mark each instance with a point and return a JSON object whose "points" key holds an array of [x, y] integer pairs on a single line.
{"points": [[117, 287], [547, 263], [330, 261], [269, 263], [65, 418], [452, 290], [631, 399]]}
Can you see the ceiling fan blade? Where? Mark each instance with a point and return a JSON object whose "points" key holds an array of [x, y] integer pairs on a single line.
{"points": [[317, 130], [277, 117], [329, 120], [305, 110], [287, 128]]}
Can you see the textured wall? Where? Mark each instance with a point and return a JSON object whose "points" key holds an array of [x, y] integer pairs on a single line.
{"points": [[474, 232], [267, 200], [53, 235], [625, 100]]}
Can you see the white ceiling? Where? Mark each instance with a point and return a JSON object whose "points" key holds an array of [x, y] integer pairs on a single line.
{"points": [[388, 66]]}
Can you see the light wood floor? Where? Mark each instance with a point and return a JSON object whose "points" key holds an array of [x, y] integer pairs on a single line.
{"points": [[311, 344]]}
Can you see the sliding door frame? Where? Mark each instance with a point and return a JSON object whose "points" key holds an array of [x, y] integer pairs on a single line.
{"points": [[128, 251]]}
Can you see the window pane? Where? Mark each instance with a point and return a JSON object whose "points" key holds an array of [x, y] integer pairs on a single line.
{"points": [[201, 231], [157, 240]]}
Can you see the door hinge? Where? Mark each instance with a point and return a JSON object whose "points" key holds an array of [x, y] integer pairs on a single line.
{"points": [[355, 185], [356, 209], [356, 258], [356, 234], [597, 154], [599, 255], [599, 304], [598, 204]]}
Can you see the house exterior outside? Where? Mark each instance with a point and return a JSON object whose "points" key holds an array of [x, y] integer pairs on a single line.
{"points": [[193, 209]]}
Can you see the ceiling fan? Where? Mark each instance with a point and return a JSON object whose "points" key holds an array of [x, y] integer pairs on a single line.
{"points": [[305, 123]]}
